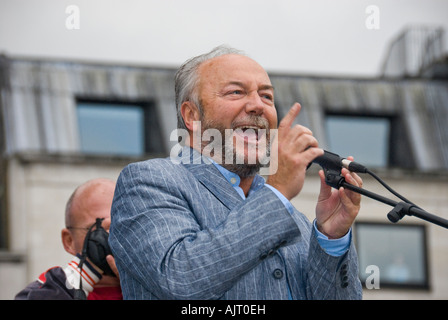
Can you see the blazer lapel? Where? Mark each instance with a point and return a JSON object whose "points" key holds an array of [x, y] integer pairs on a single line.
{"points": [[210, 177]]}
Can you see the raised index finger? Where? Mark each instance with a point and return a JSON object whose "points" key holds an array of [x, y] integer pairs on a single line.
{"points": [[288, 119]]}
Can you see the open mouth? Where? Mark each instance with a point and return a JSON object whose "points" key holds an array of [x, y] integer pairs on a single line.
{"points": [[250, 134]]}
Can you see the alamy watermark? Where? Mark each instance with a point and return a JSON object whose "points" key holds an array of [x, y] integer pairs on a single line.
{"points": [[373, 19], [373, 280], [73, 20], [251, 146]]}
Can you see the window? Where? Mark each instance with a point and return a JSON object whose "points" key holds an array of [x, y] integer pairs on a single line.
{"points": [[3, 188], [374, 141], [127, 129], [364, 138], [397, 250], [3, 207]]}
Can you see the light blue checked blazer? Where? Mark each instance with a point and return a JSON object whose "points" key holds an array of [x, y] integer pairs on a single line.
{"points": [[181, 231]]}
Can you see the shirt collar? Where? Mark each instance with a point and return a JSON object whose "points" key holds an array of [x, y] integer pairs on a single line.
{"points": [[235, 180]]}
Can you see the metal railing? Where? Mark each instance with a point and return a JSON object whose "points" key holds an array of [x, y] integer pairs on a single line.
{"points": [[414, 51]]}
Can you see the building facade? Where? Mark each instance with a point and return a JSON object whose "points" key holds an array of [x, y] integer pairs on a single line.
{"points": [[65, 122]]}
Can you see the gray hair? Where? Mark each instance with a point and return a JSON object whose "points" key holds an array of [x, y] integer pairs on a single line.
{"points": [[186, 80]]}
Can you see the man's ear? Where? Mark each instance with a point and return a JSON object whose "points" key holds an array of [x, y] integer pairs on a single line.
{"points": [[190, 113], [68, 242]]}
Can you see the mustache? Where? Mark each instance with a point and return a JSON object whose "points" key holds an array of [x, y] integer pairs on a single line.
{"points": [[251, 120]]}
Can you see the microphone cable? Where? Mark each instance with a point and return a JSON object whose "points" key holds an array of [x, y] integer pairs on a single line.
{"points": [[332, 162], [384, 184]]}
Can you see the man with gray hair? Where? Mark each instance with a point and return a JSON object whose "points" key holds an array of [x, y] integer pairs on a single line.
{"points": [[205, 225]]}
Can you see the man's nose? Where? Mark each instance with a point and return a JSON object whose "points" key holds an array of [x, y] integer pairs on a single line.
{"points": [[254, 104]]}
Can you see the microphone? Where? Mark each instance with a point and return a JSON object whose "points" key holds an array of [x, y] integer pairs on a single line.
{"points": [[332, 161]]}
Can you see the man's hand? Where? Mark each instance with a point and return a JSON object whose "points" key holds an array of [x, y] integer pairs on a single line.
{"points": [[111, 261], [337, 209], [296, 148]]}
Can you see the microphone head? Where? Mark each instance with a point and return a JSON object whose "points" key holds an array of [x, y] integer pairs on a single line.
{"points": [[329, 160], [333, 162]]}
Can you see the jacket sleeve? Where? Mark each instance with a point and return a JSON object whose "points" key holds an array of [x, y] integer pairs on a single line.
{"points": [[49, 286], [332, 277], [61, 283]]}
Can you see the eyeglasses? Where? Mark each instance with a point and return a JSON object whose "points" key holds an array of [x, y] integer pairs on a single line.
{"points": [[97, 223], [85, 228], [79, 228]]}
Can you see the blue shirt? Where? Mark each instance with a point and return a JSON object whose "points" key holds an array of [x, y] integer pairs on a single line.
{"points": [[334, 247]]}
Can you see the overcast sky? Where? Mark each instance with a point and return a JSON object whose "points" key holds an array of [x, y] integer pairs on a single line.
{"points": [[322, 37]]}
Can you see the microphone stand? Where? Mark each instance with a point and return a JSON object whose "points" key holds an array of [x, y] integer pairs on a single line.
{"points": [[334, 179]]}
